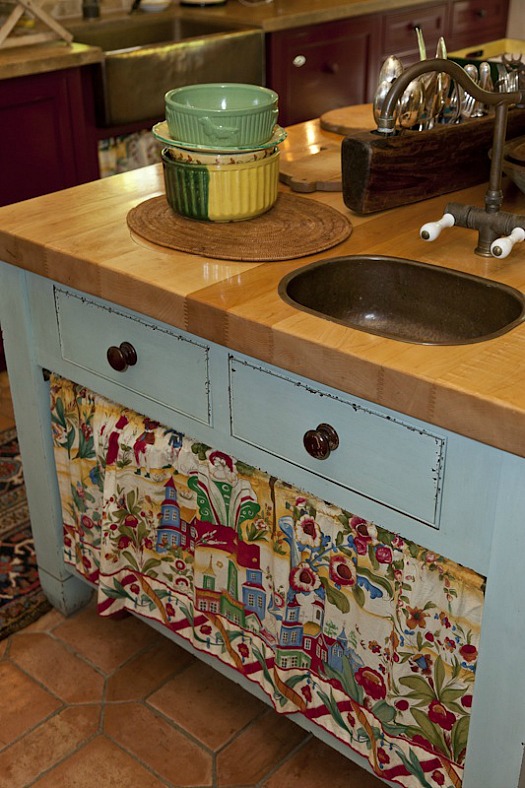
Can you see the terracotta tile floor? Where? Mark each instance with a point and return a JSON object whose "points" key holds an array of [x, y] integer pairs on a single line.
{"points": [[87, 701]]}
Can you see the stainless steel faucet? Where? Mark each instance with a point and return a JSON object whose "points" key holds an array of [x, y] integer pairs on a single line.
{"points": [[495, 227]]}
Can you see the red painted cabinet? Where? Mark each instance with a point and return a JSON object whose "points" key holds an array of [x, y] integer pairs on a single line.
{"points": [[321, 67], [399, 36], [47, 133], [477, 22]]}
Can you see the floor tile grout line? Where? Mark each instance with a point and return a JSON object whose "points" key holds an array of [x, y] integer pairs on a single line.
{"points": [[178, 727], [293, 752], [139, 760], [80, 746]]}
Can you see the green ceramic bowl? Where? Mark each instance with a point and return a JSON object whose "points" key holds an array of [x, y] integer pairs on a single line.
{"points": [[222, 116], [221, 192]]}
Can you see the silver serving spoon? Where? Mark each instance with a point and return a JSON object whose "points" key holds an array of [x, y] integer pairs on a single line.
{"points": [[478, 110], [391, 69], [410, 105], [379, 98]]}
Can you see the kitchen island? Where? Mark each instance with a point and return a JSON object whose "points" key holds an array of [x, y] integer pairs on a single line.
{"points": [[432, 439]]}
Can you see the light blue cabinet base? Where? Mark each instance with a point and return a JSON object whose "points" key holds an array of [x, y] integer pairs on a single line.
{"points": [[479, 515]]}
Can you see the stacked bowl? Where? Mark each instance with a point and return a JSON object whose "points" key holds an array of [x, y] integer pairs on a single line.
{"points": [[220, 150]]}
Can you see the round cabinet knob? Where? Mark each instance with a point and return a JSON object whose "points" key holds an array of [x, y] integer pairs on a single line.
{"points": [[319, 443], [122, 357], [299, 60]]}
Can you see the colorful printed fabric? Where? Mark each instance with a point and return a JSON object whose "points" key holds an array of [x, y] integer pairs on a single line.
{"points": [[372, 637]]}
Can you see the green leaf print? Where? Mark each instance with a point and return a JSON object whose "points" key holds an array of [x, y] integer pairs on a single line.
{"points": [[459, 736], [86, 448], [422, 688], [449, 695], [130, 558], [334, 596], [331, 705], [428, 729], [376, 579], [70, 439], [347, 679], [60, 413], [439, 676], [359, 595], [262, 662], [383, 711], [117, 592], [254, 534], [150, 563]]}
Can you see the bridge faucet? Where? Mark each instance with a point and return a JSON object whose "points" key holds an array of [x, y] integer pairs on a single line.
{"points": [[490, 222]]}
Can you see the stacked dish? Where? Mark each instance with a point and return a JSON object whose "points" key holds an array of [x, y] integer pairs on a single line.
{"points": [[220, 154]]}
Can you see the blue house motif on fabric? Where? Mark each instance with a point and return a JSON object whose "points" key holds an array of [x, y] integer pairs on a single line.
{"points": [[173, 531], [253, 593]]}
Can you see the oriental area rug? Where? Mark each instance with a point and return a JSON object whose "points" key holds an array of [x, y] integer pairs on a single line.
{"points": [[22, 600]]}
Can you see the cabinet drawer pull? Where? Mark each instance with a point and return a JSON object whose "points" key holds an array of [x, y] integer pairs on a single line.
{"points": [[298, 61], [122, 357], [481, 13], [319, 443]]}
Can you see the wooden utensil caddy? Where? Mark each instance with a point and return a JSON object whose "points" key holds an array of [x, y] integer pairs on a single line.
{"points": [[381, 172]]}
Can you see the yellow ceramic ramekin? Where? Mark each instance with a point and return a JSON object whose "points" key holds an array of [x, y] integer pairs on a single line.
{"points": [[221, 193]]}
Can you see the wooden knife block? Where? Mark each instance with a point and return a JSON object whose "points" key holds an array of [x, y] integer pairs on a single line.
{"points": [[380, 172]]}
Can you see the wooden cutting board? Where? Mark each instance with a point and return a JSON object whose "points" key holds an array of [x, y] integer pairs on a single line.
{"points": [[314, 172], [322, 171], [347, 120]]}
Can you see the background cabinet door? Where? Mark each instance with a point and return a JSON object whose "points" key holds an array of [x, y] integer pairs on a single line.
{"points": [[46, 134], [400, 31], [322, 67], [477, 22]]}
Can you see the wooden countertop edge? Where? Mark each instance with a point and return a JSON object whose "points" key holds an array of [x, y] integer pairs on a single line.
{"points": [[476, 390], [44, 58]]}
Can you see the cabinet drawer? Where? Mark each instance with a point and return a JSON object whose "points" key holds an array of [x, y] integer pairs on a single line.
{"points": [[473, 20], [400, 29], [171, 369], [380, 455]]}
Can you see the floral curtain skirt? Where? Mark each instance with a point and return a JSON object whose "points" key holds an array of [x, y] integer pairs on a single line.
{"points": [[372, 637]]}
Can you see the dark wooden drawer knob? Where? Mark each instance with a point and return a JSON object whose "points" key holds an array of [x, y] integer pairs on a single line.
{"points": [[319, 443], [122, 357]]}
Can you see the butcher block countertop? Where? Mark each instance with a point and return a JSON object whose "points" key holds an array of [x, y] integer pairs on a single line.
{"points": [[80, 238], [42, 58]]}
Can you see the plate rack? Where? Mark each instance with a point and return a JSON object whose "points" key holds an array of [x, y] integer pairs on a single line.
{"points": [[54, 31]]}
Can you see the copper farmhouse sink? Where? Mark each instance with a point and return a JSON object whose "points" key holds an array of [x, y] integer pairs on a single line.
{"points": [[146, 55], [404, 299]]}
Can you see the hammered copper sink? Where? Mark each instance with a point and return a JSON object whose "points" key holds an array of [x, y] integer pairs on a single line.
{"points": [[405, 299], [145, 55]]}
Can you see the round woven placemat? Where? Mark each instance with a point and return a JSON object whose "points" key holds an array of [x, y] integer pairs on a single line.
{"points": [[294, 227]]}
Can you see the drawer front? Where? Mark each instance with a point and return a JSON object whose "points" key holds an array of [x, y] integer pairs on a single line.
{"points": [[171, 369], [400, 34], [383, 457], [473, 19]]}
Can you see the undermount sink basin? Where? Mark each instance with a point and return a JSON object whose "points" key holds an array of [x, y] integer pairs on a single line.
{"points": [[404, 299], [145, 55]]}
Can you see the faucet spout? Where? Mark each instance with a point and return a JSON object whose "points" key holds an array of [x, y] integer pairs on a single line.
{"points": [[501, 102]]}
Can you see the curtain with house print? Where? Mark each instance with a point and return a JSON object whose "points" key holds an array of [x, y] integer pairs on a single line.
{"points": [[370, 636]]}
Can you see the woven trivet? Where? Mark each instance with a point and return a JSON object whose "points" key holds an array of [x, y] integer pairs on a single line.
{"points": [[294, 227]]}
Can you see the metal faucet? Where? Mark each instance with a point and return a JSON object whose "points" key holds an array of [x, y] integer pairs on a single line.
{"points": [[498, 230], [90, 9]]}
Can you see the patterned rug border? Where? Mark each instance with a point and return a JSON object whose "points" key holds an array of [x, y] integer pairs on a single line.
{"points": [[22, 601]]}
